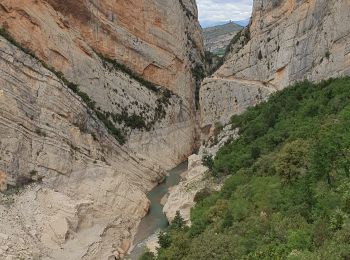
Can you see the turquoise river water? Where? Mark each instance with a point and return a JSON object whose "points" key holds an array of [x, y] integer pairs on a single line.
{"points": [[155, 220]]}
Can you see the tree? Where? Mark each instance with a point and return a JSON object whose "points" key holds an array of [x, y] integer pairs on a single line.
{"points": [[164, 240], [178, 222], [292, 161]]}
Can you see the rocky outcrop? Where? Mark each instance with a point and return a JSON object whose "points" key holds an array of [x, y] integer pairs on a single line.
{"points": [[221, 98], [94, 42], [88, 193], [183, 196], [94, 97], [287, 41]]}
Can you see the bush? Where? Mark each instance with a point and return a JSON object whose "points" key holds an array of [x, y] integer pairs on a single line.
{"points": [[201, 195], [178, 222], [147, 256], [23, 180], [208, 161]]}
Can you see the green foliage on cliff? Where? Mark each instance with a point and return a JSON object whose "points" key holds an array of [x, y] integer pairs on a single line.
{"points": [[288, 193]]}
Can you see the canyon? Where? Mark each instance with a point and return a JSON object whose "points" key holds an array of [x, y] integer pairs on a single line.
{"points": [[75, 77], [287, 41], [99, 98]]}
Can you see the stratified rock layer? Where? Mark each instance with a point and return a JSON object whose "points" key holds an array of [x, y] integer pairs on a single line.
{"points": [[92, 191], [287, 41], [221, 98], [157, 40], [132, 62]]}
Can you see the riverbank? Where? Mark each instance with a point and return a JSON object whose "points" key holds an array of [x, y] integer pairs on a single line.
{"points": [[155, 220]]}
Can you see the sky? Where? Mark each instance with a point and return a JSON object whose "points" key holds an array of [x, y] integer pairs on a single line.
{"points": [[213, 12]]}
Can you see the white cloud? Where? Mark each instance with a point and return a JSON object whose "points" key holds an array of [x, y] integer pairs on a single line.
{"points": [[213, 11]]}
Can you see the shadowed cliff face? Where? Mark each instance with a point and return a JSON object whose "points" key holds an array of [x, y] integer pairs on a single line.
{"points": [[77, 9]]}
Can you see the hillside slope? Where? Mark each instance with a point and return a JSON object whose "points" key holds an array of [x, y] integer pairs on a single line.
{"points": [[217, 38], [288, 196]]}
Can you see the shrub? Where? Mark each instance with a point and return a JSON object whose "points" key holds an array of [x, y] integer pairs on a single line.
{"points": [[147, 256], [23, 180], [201, 195], [40, 132], [208, 162], [178, 222]]}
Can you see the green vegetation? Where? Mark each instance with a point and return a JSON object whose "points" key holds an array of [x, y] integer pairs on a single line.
{"points": [[40, 132], [189, 14], [198, 73], [215, 61], [288, 194]]}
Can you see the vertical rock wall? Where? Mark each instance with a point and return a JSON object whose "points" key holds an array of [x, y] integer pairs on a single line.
{"points": [[287, 41]]}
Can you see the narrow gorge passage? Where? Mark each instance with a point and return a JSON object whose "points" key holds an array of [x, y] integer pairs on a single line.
{"points": [[100, 100], [155, 220]]}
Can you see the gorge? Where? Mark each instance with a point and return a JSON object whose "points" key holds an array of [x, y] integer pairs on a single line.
{"points": [[98, 99]]}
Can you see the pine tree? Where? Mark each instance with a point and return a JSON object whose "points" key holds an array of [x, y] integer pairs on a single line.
{"points": [[178, 222]]}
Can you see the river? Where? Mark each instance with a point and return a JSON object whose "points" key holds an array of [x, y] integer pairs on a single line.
{"points": [[155, 220]]}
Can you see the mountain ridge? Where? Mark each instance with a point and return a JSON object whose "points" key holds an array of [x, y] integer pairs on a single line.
{"points": [[217, 38]]}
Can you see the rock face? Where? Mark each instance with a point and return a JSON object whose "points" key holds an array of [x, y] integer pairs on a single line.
{"points": [[73, 76], [3, 181], [221, 98], [182, 197], [90, 41], [287, 41], [92, 191]]}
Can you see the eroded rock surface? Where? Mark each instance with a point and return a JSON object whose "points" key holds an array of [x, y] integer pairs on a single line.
{"points": [[182, 197], [73, 76], [159, 41], [223, 97], [91, 194]]}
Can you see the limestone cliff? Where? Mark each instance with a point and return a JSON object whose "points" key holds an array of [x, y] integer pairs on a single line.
{"points": [[94, 98], [287, 41], [90, 42], [86, 183]]}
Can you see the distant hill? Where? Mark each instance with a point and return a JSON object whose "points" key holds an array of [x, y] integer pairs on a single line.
{"points": [[243, 22], [209, 23], [217, 38]]}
